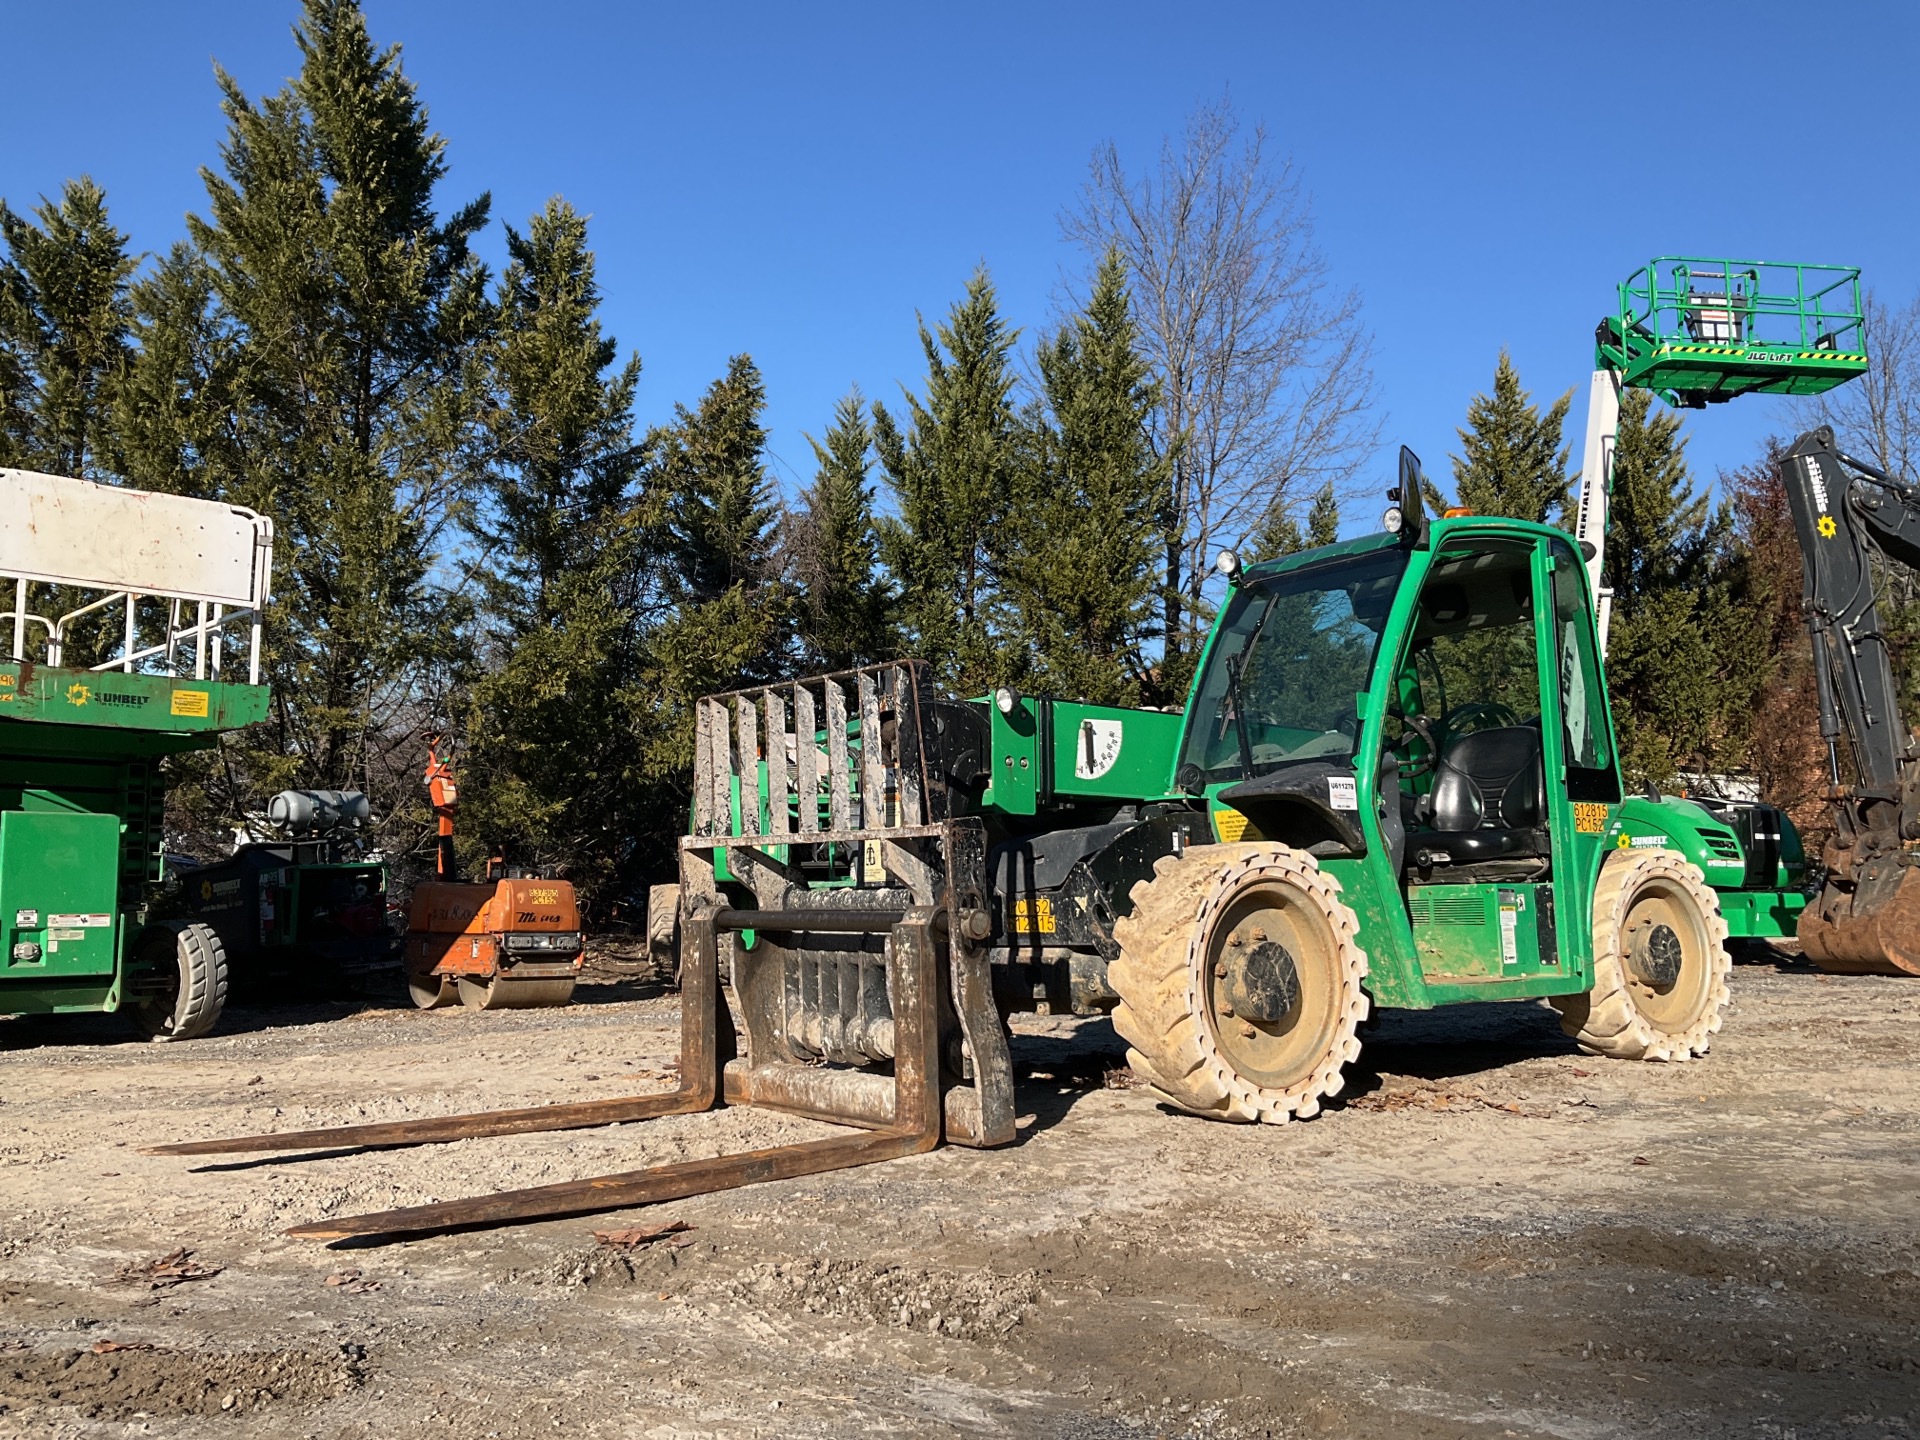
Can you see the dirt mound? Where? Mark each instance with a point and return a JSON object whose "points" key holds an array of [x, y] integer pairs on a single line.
{"points": [[123, 1383], [983, 1305]]}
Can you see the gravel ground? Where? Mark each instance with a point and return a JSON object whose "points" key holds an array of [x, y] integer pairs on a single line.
{"points": [[1491, 1235]]}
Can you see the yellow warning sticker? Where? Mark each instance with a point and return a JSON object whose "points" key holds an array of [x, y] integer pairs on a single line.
{"points": [[1229, 825], [1589, 818], [190, 702], [1034, 917]]}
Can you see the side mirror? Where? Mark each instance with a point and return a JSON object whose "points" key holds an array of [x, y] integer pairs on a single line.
{"points": [[1412, 498], [1409, 496]]}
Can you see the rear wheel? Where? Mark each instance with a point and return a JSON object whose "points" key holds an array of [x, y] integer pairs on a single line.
{"points": [[504, 993], [1240, 982], [1660, 962], [193, 964]]}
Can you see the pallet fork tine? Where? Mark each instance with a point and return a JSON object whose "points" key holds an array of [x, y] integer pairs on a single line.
{"points": [[704, 1024], [914, 1126]]}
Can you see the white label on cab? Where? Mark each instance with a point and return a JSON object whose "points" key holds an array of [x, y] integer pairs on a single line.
{"points": [[1099, 747], [1343, 792]]}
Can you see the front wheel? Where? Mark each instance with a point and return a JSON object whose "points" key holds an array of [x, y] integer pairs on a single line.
{"points": [[1660, 962], [193, 965], [1240, 981], [429, 991]]}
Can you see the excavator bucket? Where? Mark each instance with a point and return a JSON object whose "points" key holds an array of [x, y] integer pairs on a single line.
{"points": [[1873, 929], [832, 914]]}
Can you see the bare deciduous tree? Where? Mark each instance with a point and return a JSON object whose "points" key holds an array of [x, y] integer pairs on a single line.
{"points": [[1265, 369], [1880, 412]]}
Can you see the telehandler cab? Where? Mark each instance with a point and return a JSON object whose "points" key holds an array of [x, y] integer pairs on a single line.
{"points": [[1395, 784]]}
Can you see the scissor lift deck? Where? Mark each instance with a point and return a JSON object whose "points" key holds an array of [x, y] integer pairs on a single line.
{"points": [[1699, 332]]}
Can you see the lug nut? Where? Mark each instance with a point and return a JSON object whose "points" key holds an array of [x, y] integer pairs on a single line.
{"points": [[1259, 935], [1247, 1030], [1227, 1011], [1220, 972]]}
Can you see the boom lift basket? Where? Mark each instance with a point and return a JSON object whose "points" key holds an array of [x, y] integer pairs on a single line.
{"points": [[1700, 332], [827, 882]]}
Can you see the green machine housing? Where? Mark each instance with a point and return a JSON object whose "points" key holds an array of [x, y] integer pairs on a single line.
{"points": [[1075, 803], [1059, 882], [310, 912], [82, 801]]}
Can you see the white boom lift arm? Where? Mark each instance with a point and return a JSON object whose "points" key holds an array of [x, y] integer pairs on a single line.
{"points": [[1596, 488]]}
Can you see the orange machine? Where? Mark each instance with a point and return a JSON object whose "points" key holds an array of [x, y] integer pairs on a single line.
{"points": [[505, 943]]}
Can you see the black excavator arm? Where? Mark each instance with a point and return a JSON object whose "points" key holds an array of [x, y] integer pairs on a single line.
{"points": [[1867, 915]]}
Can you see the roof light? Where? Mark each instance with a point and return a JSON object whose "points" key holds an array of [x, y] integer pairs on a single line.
{"points": [[1392, 520], [1227, 563], [1005, 699]]}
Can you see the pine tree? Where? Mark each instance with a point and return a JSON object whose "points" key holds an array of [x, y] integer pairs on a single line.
{"points": [[1514, 463], [561, 425], [554, 769], [711, 474], [1677, 699], [951, 471], [175, 415], [65, 315], [348, 319], [835, 549], [1280, 534], [1076, 562], [732, 620]]}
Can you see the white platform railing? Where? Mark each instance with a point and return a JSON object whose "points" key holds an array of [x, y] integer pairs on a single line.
{"points": [[208, 564]]}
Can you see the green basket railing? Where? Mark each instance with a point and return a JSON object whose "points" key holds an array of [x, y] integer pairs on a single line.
{"points": [[1700, 331]]}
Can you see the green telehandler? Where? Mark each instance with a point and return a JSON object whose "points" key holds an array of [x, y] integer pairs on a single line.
{"points": [[1394, 785]]}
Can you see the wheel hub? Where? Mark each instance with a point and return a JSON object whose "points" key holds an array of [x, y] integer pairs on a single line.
{"points": [[1264, 984], [1655, 956]]}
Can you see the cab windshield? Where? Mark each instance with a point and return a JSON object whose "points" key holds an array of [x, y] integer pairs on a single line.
{"points": [[1291, 654]]}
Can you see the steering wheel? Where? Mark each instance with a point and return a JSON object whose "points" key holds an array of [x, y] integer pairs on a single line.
{"points": [[1413, 769], [1476, 715]]}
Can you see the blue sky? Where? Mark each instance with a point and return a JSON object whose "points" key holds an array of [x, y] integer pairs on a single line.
{"points": [[797, 181]]}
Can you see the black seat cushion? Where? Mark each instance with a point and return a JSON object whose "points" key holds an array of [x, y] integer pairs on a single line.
{"points": [[1488, 801]]}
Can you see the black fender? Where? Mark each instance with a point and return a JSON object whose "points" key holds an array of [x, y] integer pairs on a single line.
{"points": [[1295, 804]]}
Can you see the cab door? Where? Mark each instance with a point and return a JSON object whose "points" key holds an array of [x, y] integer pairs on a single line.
{"points": [[1481, 850], [1581, 756]]}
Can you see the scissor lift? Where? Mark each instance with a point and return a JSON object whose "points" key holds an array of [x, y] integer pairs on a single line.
{"points": [[133, 634]]}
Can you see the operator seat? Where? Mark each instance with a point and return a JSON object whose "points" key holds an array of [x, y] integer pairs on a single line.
{"points": [[1489, 798]]}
